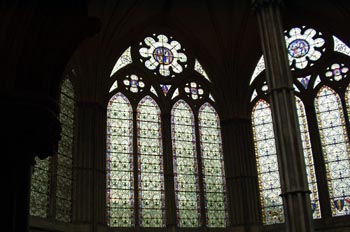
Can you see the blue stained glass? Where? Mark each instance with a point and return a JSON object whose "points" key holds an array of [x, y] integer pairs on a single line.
{"points": [[298, 48], [163, 55]]}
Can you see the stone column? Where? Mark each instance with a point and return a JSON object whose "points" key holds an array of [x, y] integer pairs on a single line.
{"points": [[89, 168], [29, 128], [241, 175], [168, 173], [279, 79]]}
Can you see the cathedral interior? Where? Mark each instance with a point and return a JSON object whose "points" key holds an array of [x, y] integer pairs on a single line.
{"points": [[176, 116]]}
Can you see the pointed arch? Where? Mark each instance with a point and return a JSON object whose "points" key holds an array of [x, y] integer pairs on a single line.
{"points": [[185, 165], [335, 148], [120, 184], [150, 164], [267, 164], [212, 166]]}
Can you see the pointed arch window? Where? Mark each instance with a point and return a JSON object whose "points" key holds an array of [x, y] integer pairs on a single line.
{"points": [[335, 147], [322, 91], [168, 99], [150, 164], [212, 166], [185, 166], [120, 165], [267, 164], [51, 188]]}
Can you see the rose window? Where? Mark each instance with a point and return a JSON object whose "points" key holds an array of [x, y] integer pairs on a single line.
{"points": [[194, 90], [337, 72], [134, 83], [304, 47], [164, 54]]}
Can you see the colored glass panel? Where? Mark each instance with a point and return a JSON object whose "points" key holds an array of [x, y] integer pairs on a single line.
{"points": [[120, 176], [163, 52], [185, 166], [65, 151], [267, 164], [150, 165], [309, 161], [335, 149], [198, 68], [212, 166], [40, 188], [122, 61], [298, 48]]}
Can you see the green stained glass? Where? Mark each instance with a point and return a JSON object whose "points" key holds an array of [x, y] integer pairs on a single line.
{"points": [[335, 148], [64, 158], [120, 178], [212, 166], [309, 161], [40, 188], [267, 164], [185, 166], [150, 165]]}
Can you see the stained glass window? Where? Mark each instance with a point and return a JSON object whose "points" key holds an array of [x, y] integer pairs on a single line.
{"points": [[122, 61], [65, 154], [267, 164], [194, 90], [164, 53], [309, 160], [56, 170], [337, 72], [185, 165], [303, 46], [198, 68], [40, 188], [120, 177], [212, 166], [135, 171], [150, 164], [335, 149]]}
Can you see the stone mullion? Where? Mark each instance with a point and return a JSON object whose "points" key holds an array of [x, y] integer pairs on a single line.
{"points": [[202, 193], [135, 171], [295, 192], [241, 175], [169, 185], [320, 168], [89, 171]]}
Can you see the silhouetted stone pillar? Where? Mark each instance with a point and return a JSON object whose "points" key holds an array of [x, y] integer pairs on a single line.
{"points": [[241, 175], [294, 184], [168, 173], [27, 129], [89, 169]]}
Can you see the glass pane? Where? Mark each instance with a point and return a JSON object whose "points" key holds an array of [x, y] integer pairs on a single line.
{"points": [[120, 176], [64, 158], [266, 159], [150, 165], [40, 188], [309, 161], [185, 166], [212, 166], [335, 149]]}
